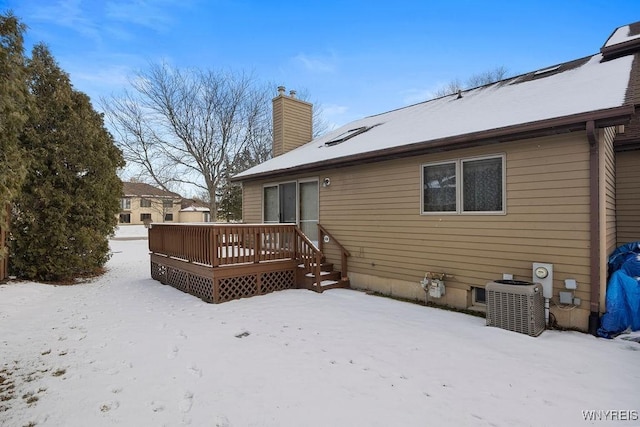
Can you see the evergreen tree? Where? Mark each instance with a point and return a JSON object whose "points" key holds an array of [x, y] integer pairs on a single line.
{"points": [[70, 198], [14, 99], [230, 193], [230, 204]]}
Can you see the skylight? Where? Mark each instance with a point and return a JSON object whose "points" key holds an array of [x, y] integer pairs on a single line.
{"points": [[546, 70], [347, 135]]}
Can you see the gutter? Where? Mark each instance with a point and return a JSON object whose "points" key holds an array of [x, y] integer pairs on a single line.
{"points": [[565, 124], [594, 208]]}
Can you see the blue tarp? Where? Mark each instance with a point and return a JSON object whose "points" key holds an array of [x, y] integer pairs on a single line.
{"points": [[623, 292]]}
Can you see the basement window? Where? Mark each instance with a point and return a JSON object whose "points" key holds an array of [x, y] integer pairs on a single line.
{"points": [[347, 135], [479, 296]]}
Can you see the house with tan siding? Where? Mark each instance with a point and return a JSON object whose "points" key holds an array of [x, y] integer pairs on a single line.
{"points": [[477, 186], [143, 203], [194, 210]]}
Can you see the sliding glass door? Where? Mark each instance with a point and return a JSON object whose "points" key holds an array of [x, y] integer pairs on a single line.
{"points": [[309, 209], [293, 202]]}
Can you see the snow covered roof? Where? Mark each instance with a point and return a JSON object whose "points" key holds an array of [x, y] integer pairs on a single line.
{"points": [[194, 205], [140, 189], [194, 209], [623, 39], [586, 89]]}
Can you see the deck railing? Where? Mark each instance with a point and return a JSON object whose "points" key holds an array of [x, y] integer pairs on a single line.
{"points": [[344, 253], [218, 245]]}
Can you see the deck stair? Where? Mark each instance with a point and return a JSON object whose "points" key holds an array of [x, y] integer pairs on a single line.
{"points": [[329, 278]]}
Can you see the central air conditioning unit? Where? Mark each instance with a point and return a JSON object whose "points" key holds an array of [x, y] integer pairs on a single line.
{"points": [[515, 306]]}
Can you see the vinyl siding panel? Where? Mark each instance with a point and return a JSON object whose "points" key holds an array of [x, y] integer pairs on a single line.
{"points": [[251, 203], [374, 211], [628, 196]]}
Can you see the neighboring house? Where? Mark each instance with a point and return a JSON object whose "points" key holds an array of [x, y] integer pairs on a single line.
{"points": [[542, 167], [194, 210], [142, 203]]}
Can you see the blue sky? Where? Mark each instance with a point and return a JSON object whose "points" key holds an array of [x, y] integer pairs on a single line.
{"points": [[355, 58]]}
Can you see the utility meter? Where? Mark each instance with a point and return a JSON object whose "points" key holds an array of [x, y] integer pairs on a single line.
{"points": [[543, 273]]}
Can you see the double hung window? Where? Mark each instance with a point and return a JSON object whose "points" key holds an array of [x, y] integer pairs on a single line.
{"points": [[464, 186], [125, 203]]}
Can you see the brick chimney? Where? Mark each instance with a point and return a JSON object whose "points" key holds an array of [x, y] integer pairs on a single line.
{"points": [[292, 122]]}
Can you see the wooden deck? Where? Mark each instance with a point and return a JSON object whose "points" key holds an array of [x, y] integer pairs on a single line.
{"points": [[222, 262]]}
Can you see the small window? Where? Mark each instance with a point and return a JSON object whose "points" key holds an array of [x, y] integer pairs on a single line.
{"points": [[168, 217], [482, 185], [167, 203], [125, 218], [145, 217], [439, 187], [125, 203], [145, 203], [479, 296]]}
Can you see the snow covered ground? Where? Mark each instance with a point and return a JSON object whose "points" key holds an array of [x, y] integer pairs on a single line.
{"points": [[130, 232], [125, 350]]}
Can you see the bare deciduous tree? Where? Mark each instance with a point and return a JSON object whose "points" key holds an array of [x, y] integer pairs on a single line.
{"points": [[450, 88], [487, 77], [475, 80], [187, 127]]}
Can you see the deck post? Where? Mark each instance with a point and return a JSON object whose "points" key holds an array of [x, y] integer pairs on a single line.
{"points": [[320, 239], [258, 246], [318, 269], [215, 261]]}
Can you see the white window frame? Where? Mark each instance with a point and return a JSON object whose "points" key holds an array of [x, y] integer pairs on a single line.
{"points": [[459, 163]]}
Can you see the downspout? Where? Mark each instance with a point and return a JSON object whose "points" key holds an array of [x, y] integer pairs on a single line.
{"points": [[594, 208]]}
